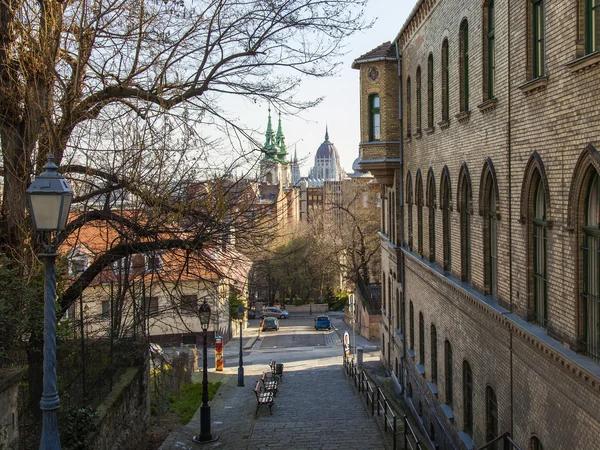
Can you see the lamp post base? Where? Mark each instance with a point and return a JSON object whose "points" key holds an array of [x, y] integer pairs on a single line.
{"points": [[205, 439]]}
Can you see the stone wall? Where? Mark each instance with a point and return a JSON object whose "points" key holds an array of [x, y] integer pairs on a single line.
{"points": [[315, 308], [124, 413], [9, 419]]}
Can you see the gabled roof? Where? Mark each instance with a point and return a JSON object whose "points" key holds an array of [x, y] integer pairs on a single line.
{"points": [[385, 52]]}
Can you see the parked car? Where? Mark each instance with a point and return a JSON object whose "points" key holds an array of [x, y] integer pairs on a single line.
{"points": [[270, 323], [272, 311], [322, 322]]}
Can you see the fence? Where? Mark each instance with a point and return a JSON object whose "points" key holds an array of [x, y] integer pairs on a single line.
{"points": [[378, 404]]}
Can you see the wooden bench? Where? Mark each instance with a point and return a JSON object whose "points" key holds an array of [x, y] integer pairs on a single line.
{"points": [[263, 398], [269, 385]]}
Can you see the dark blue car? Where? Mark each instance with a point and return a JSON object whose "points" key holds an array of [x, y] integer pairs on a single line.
{"points": [[322, 322]]}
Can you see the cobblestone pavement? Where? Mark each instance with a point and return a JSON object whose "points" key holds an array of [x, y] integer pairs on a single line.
{"points": [[315, 408]]}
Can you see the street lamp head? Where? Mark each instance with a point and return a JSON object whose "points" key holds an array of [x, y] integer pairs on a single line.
{"points": [[240, 312], [50, 199], [204, 313]]}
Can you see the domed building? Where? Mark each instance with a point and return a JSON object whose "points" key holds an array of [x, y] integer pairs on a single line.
{"points": [[327, 164]]}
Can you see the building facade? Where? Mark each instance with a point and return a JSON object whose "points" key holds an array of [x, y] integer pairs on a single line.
{"points": [[490, 218]]}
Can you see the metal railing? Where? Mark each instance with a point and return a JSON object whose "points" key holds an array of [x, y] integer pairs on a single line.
{"points": [[507, 443]]}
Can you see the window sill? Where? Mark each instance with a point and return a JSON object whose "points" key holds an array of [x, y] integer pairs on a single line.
{"points": [[418, 135], [585, 62], [448, 412], [430, 130], [535, 85], [444, 124], [433, 388], [466, 439], [421, 369], [411, 353], [488, 105], [463, 116]]}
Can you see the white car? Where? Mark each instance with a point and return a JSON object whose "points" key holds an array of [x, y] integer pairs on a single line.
{"points": [[272, 311]]}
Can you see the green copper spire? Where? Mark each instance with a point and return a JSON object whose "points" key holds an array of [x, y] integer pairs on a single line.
{"points": [[270, 147], [280, 141]]}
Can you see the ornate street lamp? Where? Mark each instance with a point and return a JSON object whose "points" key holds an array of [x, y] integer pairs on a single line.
{"points": [[205, 434], [49, 199], [240, 316]]}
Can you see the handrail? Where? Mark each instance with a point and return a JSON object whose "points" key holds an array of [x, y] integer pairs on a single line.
{"points": [[508, 442]]}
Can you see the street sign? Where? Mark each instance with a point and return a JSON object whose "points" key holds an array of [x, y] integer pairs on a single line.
{"points": [[346, 343]]}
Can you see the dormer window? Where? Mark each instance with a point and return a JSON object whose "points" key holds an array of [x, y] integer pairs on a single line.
{"points": [[153, 262], [78, 263], [123, 266], [374, 118]]}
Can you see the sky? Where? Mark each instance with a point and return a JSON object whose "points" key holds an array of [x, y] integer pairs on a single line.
{"points": [[340, 109]]}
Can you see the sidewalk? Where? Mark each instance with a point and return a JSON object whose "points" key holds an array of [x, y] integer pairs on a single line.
{"points": [[315, 407]]}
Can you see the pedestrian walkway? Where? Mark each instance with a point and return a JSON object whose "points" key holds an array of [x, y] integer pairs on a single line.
{"points": [[315, 407]]}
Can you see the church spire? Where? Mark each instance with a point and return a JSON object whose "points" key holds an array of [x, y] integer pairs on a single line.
{"points": [[326, 133], [280, 141]]}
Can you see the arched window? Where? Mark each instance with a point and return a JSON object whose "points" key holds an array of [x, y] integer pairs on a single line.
{"points": [[419, 195], [402, 314], [448, 373], [592, 26], [465, 223], [538, 37], [489, 51], [430, 91], [408, 108], [446, 202], [411, 325], [374, 118], [490, 232], [467, 399], [421, 340], [591, 271], [491, 415], [540, 279], [535, 444], [445, 81], [464, 66], [431, 207], [398, 311], [409, 206], [419, 101], [434, 366]]}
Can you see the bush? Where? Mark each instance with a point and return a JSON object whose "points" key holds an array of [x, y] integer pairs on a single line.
{"points": [[79, 422]]}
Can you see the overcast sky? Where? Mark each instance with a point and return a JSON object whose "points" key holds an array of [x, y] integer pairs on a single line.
{"points": [[340, 109]]}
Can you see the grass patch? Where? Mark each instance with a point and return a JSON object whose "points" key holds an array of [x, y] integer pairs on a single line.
{"points": [[189, 399]]}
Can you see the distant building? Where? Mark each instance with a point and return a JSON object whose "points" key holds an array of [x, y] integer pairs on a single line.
{"points": [[327, 164]]}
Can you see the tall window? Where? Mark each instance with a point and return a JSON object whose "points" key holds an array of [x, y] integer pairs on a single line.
{"points": [[375, 118], [446, 205], [540, 283], [409, 201], [445, 81], [434, 366], [408, 108], [421, 340], [398, 311], [419, 193], [411, 325], [490, 236], [535, 444], [491, 51], [430, 91], [592, 26], [467, 398], [464, 66], [448, 372], [491, 415], [431, 206], [591, 272], [402, 314], [465, 229], [419, 100], [538, 35]]}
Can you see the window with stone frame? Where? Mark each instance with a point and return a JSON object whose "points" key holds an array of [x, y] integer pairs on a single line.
{"points": [[489, 50], [431, 210], [409, 206], [491, 417], [189, 305], [464, 65], [445, 81], [467, 398], [411, 326], [537, 36], [430, 112], [535, 443], [465, 195], [448, 387], [419, 198], [153, 262], [421, 339], [490, 232], [592, 26], [105, 311], [539, 237], [590, 326], [408, 108], [433, 354], [374, 117], [446, 204], [149, 306], [419, 101]]}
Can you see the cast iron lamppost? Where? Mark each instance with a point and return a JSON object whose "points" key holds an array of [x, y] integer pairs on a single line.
{"points": [[240, 316], [49, 199], [205, 434]]}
